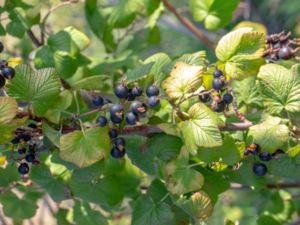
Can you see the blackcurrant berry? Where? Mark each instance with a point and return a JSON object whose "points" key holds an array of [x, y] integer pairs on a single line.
{"points": [[217, 84], [152, 90], [137, 91], [265, 156], [119, 143], [218, 73], [116, 119], [254, 148], [121, 91], [131, 118], [113, 133], [227, 98], [32, 148], [117, 153], [138, 107], [246, 152], [3, 63], [116, 113], [2, 81], [102, 121], [1, 47], [260, 169], [30, 158], [153, 101], [21, 150], [220, 106], [204, 97], [23, 168], [25, 137], [15, 140], [98, 101], [130, 96], [285, 53], [8, 72]]}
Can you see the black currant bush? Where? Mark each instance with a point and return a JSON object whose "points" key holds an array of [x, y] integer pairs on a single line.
{"points": [[117, 140]]}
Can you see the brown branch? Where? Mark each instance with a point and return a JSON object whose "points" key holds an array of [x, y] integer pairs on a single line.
{"points": [[187, 23], [270, 186], [34, 39]]}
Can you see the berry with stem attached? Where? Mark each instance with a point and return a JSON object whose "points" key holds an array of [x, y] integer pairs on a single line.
{"points": [[23, 168], [152, 90], [121, 91], [138, 107], [259, 169], [137, 91], [116, 113]]}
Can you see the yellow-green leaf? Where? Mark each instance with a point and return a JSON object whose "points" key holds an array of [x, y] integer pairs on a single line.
{"points": [[8, 109]]}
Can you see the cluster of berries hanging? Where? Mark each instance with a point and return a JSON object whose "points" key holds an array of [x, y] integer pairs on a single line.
{"points": [[220, 98], [131, 107], [25, 142], [6, 72], [280, 46], [259, 168]]}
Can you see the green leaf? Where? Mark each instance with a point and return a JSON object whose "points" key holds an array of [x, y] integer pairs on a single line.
{"points": [[83, 214], [7, 131], [123, 13], [270, 134], [16, 29], [139, 72], [41, 175], [99, 82], [52, 134], [215, 13], [16, 208], [44, 57], [84, 149], [8, 109], [198, 206], [39, 88], [79, 38], [241, 50], [65, 64], [62, 102], [148, 212], [63, 42], [285, 167], [184, 79], [201, 129], [228, 153], [280, 88], [8, 176], [293, 151]]}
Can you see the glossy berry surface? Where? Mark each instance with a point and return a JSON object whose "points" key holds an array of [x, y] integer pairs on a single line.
{"points": [[285, 53], [220, 107], [130, 96], [217, 84], [8, 72], [152, 90], [153, 101], [131, 118], [218, 73], [227, 98], [116, 119], [119, 142], [102, 121], [137, 91], [117, 153], [25, 137], [138, 107], [265, 156], [204, 97], [98, 101], [23, 168], [259, 169], [121, 91], [116, 113], [30, 158], [113, 133], [2, 81]]}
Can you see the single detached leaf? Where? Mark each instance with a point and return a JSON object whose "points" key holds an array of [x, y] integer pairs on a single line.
{"points": [[148, 212], [215, 13], [39, 88], [280, 88], [8, 109], [201, 129], [198, 206], [84, 149], [270, 134], [184, 79], [241, 51]]}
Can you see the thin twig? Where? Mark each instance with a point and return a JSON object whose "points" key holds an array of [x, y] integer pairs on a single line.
{"points": [[34, 39], [187, 23]]}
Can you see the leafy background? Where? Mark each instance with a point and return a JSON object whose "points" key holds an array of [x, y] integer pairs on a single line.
{"points": [[135, 43]]}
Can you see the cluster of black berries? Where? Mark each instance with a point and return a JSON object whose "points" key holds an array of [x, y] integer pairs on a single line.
{"points": [[280, 46], [6, 72], [137, 110], [259, 168], [26, 148], [220, 101]]}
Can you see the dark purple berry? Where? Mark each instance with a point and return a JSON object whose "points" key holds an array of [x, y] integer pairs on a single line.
{"points": [[138, 107], [260, 169], [227, 98], [121, 91], [8, 72], [218, 73], [152, 90], [119, 143], [131, 118], [102, 121], [204, 97], [265, 156], [153, 101], [21, 150], [98, 101], [217, 84], [25, 137], [116, 119], [285, 52], [220, 106], [137, 91], [113, 133], [2, 81], [130, 96], [30, 158], [117, 153], [15, 140], [116, 113], [23, 168]]}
